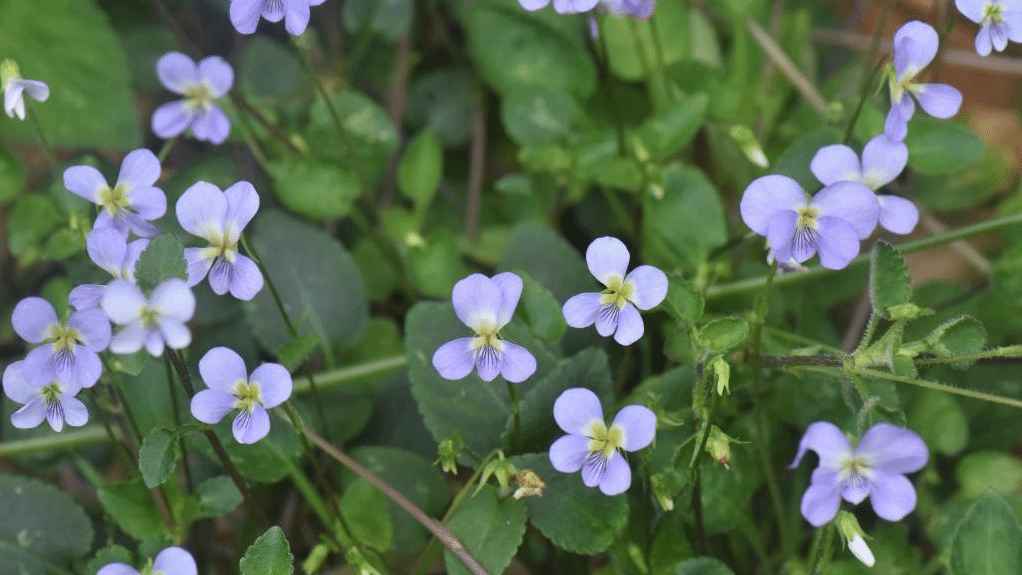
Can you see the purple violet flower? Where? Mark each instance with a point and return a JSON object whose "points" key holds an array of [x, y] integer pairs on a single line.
{"points": [[245, 14], [132, 202], [593, 447], [883, 160], [831, 224], [641, 9], [915, 46], [999, 20], [561, 6], [109, 250], [53, 401], [614, 309], [201, 84], [874, 468], [70, 351], [15, 87], [219, 218], [230, 387], [153, 322], [170, 561], [486, 305]]}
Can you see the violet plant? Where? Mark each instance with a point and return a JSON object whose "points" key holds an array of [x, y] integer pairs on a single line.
{"points": [[408, 203]]}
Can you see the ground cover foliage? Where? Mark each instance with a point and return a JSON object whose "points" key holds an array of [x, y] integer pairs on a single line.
{"points": [[487, 286]]}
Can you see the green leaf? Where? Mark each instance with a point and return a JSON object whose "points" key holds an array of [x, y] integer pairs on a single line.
{"points": [[218, 496], [132, 509], [589, 368], [163, 259], [939, 147], [966, 189], [74, 50], [268, 555], [298, 350], [476, 410], [940, 421], [157, 456], [63, 244], [369, 137], [535, 116], [444, 102], [12, 177], [572, 516], [960, 335], [541, 309], [42, 528], [548, 258], [988, 540], [366, 513], [318, 281], [513, 48], [262, 54], [670, 546], [686, 222], [703, 566], [669, 131], [983, 471], [388, 18], [724, 334], [31, 221], [490, 528], [316, 188], [635, 51], [418, 174], [889, 282], [683, 300], [415, 478]]}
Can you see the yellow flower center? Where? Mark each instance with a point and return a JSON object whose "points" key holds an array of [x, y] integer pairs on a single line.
{"points": [[114, 200], [619, 292], [64, 338], [247, 394], [487, 337], [993, 13], [807, 217], [605, 441], [51, 394], [221, 246], [149, 317], [199, 96], [859, 467]]}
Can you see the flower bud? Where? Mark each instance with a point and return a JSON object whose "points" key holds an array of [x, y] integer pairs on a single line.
{"points": [[849, 528], [499, 468], [666, 486], [359, 564], [718, 445], [723, 372], [530, 484], [447, 454]]}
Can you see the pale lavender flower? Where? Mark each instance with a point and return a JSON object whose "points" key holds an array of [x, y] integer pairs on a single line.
{"points": [[485, 305], [70, 351], [831, 224], [200, 84], [641, 9], [170, 561], [883, 160], [561, 6], [53, 401], [874, 468], [132, 203], [219, 218], [245, 14], [230, 387], [915, 46], [614, 309], [593, 447], [109, 250], [15, 87], [151, 322], [999, 20]]}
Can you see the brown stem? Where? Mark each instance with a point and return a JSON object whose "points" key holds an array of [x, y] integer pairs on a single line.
{"points": [[186, 380], [278, 134], [396, 109], [435, 527]]}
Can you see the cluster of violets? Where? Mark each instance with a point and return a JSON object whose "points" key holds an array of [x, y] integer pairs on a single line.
{"points": [[847, 209], [796, 227]]}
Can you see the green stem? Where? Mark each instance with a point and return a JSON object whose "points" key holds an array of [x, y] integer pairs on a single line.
{"points": [[177, 423], [352, 374], [1011, 351], [615, 98], [937, 386], [619, 211], [44, 142], [752, 284], [165, 150], [512, 390], [867, 334], [864, 96]]}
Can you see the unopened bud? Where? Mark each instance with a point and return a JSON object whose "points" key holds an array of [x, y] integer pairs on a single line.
{"points": [[314, 562], [499, 468], [718, 445], [447, 454], [666, 486], [722, 370], [359, 564], [849, 528], [530, 484], [747, 142]]}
